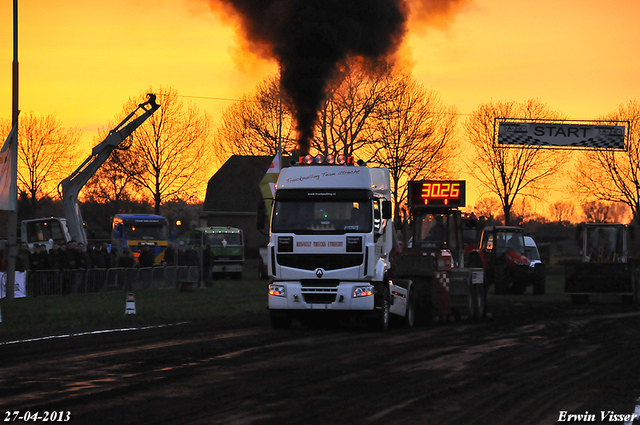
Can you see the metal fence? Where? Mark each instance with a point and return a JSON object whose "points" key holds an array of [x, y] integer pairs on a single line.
{"points": [[63, 282]]}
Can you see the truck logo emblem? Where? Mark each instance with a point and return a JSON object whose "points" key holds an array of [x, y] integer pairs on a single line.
{"points": [[319, 273]]}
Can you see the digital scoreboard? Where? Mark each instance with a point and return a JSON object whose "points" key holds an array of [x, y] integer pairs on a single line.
{"points": [[437, 193]]}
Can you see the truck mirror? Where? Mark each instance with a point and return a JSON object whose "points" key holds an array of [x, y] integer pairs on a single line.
{"points": [[260, 219], [172, 235], [386, 209]]}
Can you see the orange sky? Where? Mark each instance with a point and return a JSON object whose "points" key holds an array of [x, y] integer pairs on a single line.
{"points": [[82, 59]]}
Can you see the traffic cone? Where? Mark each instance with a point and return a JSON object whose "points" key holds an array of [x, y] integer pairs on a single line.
{"points": [[130, 307]]}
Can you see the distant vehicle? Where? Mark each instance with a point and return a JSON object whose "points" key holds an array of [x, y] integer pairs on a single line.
{"points": [[604, 267], [45, 231], [502, 255], [227, 244], [139, 230]]}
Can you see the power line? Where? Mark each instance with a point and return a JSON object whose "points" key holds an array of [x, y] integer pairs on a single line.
{"points": [[227, 99], [216, 98]]}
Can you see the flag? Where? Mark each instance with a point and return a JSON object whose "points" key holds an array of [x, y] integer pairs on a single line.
{"points": [[268, 183], [8, 173]]}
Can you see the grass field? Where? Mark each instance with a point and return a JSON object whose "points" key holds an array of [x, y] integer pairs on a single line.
{"points": [[51, 315]]}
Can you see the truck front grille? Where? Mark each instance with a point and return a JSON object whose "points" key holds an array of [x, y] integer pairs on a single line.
{"points": [[319, 295], [319, 298], [320, 261]]}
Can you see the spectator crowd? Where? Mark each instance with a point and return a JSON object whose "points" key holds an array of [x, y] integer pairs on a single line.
{"points": [[73, 256]]}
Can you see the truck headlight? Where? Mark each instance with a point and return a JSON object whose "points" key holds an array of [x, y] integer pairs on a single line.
{"points": [[363, 291], [277, 290]]}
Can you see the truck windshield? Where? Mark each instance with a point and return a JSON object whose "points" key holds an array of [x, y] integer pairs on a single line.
{"points": [[146, 231], [509, 241], [431, 231], [223, 239], [309, 216], [604, 242], [42, 231]]}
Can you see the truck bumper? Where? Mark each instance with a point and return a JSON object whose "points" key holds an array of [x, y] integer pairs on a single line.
{"points": [[599, 278], [338, 298]]}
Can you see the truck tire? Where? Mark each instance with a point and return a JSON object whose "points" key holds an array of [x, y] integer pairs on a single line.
{"points": [[409, 319], [381, 320], [280, 319], [481, 301]]}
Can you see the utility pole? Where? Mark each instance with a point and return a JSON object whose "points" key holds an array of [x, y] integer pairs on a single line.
{"points": [[13, 214]]}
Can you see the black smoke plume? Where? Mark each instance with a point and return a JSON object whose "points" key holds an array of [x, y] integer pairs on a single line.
{"points": [[310, 38]]}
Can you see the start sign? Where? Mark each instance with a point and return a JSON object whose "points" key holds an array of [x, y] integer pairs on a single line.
{"points": [[437, 193], [554, 134]]}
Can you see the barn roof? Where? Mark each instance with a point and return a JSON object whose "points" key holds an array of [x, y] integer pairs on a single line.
{"points": [[235, 187]]}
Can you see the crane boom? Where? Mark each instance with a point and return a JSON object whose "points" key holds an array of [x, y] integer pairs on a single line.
{"points": [[70, 187]]}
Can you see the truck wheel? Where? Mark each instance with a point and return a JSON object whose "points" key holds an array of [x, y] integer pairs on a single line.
{"points": [[539, 286], [410, 316], [481, 302], [381, 321], [280, 319]]}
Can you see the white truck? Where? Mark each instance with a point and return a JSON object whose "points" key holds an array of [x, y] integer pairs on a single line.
{"points": [[330, 240]]}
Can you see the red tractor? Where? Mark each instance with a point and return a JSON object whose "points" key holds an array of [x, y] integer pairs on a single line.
{"points": [[501, 253]]}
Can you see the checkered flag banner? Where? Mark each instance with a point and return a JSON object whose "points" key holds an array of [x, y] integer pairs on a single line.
{"points": [[562, 135]]}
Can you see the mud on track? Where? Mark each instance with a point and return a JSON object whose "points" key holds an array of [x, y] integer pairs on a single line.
{"points": [[525, 364]]}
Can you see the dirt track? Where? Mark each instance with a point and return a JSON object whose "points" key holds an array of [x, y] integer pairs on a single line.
{"points": [[525, 364]]}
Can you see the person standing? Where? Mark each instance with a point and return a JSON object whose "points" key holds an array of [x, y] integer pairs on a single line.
{"points": [[146, 257], [169, 255], [126, 258]]}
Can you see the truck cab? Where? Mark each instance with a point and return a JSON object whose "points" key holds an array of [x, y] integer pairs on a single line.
{"points": [[329, 243], [45, 231], [227, 245]]}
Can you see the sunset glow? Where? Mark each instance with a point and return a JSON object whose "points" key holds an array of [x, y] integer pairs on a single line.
{"points": [[81, 60]]}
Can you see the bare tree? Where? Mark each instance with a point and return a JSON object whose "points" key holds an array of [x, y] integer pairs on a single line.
{"points": [[613, 176], [511, 172], [253, 125], [111, 183], [487, 207], [414, 136], [596, 211], [347, 121], [46, 155], [562, 211], [171, 148]]}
